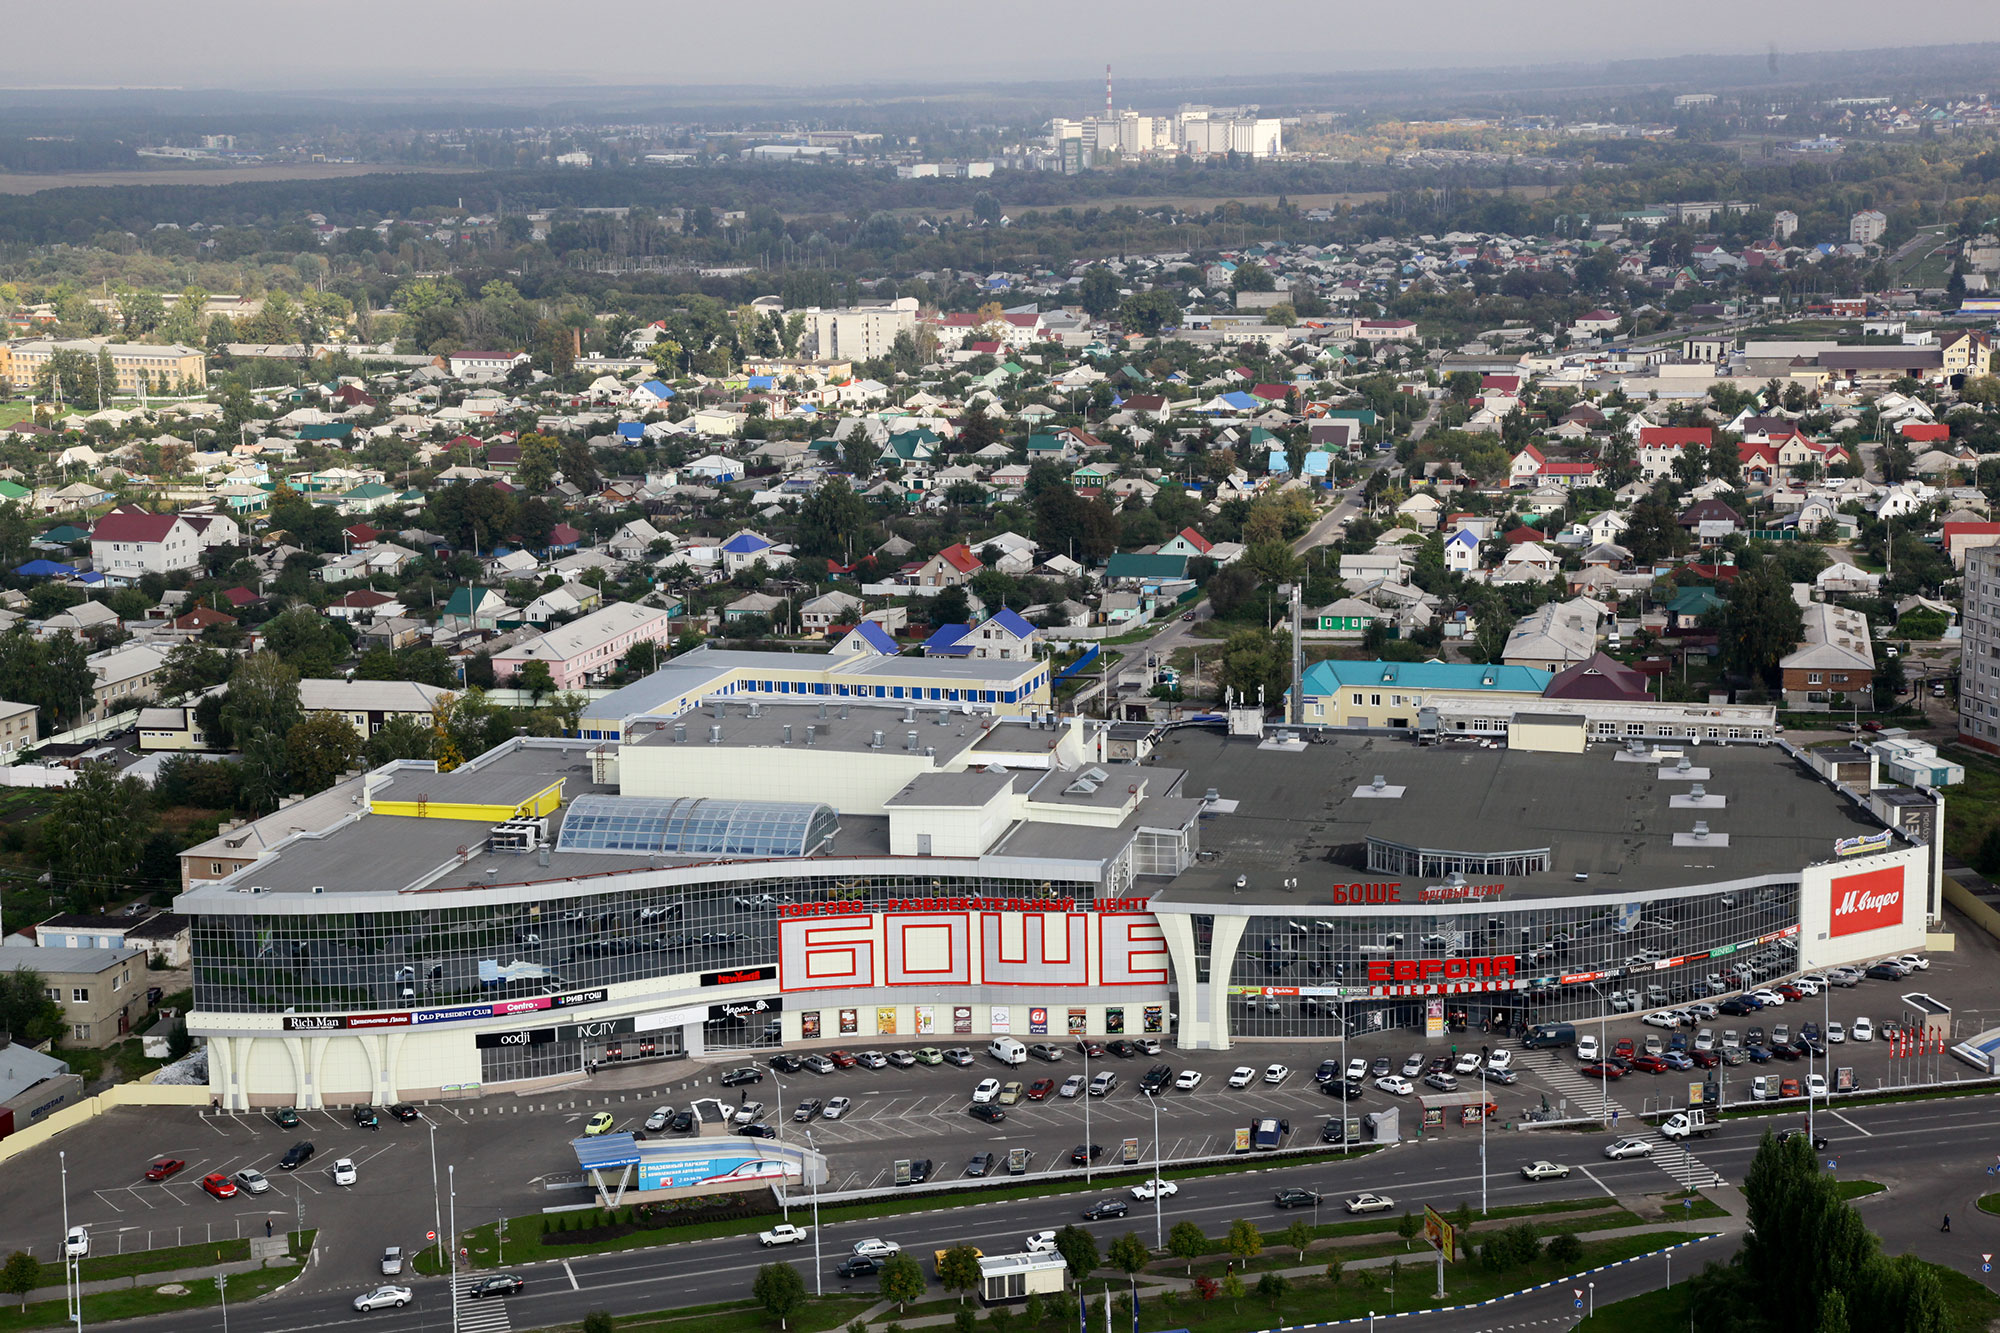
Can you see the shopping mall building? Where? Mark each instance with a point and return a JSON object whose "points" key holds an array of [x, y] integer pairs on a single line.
{"points": [[712, 874]]}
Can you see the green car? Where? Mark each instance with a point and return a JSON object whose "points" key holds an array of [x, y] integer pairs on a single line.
{"points": [[929, 1055], [286, 1117]]}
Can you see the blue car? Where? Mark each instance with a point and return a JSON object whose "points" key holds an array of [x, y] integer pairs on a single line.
{"points": [[1751, 1001], [1758, 1055], [1677, 1060]]}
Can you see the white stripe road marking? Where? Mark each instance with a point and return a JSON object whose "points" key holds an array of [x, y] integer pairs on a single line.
{"points": [[1850, 1124], [1608, 1191], [574, 1285]]}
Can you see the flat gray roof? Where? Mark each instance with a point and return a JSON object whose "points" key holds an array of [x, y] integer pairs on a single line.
{"points": [[1296, 815], [947, 731], [968, 790]]}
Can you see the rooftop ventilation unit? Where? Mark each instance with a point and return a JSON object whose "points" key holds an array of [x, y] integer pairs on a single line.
{"points": [[1380, 782], [680, 733], [876, 744], [715, 735], [1698, 792], [788, 734], [756, 709], [910, 713], [1683, 766], [1701, 828], [910, 741], [811, 730]]}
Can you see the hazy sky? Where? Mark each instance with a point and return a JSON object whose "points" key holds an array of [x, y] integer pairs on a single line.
{"points": [[280, 43]]}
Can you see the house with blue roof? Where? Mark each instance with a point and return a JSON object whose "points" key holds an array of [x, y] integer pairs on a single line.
{"points": [[867, 639], [632, 432], [652, 394], [1390, 694], [746, 548], [1005, 635], [1461, 552], [948, 641]]}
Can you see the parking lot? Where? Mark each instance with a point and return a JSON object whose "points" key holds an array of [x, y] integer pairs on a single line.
{"points": [[512, 1156]]}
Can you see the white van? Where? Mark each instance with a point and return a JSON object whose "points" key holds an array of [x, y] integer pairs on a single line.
{"points": [[1008, 1051], [1763, 1088]]}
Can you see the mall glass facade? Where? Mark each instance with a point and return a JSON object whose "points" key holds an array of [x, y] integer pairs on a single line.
{"points": [[361, 962], [1574, 961]]}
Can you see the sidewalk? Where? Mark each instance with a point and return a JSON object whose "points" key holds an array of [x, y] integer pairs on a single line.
{"points": [[186, 1277]]}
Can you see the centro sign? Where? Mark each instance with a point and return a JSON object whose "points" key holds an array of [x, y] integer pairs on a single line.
{"points": [[1443, 969], [1867, 901]]}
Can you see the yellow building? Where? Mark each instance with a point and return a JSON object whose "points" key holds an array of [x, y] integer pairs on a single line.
{"points": [[150, 367]]}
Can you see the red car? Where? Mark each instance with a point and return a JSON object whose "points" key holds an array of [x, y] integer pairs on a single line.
{"points": [[1041, 1088], [1090, 1049], [221, 1186], [1790, 1088], [165, 1167], [1705, 1059], [1623, 1048], [842, 1059], [1603, 1069], [1651, 1064], [1791, 993]]}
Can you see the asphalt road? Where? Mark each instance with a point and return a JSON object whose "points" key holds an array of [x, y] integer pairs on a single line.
{"points": [[1932, 1156]]}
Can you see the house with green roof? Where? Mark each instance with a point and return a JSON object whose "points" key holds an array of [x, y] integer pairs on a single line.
{"points": [[1390, 694]]}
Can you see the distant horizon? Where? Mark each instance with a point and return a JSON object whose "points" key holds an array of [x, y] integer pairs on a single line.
{"points": [[241, 46]]}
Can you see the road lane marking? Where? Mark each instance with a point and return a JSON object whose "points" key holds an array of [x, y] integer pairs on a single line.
{"points": [[574, 1285]]}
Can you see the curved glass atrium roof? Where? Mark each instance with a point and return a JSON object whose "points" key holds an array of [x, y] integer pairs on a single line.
{"points": [[695, 826]]}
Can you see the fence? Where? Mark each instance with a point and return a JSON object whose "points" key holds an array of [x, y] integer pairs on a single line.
{"points": [[118, 1094]]}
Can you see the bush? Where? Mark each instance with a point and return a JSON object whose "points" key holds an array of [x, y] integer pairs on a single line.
{"points": [[1565, 1250], [597, 1321]]}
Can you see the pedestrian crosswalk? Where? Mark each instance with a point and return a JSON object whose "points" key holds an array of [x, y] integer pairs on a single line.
{"points": [[1686, 1169], [1584, 1096], [480, 1316]]}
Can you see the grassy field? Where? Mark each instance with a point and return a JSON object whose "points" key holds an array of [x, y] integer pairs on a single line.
{"points": [[1858, 1189], [169, 1259], [1969, 1308], [13, 410], [141, 1301], [816, 1317], [1974, 804]]}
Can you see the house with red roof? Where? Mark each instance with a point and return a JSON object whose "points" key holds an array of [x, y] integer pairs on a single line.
{"points": [[125, 545], [1186, 542], [1526, 466], [1569, 475], [1924, 432], [1013, 330], [1962, 537], [1271, 393], [952, 567]]}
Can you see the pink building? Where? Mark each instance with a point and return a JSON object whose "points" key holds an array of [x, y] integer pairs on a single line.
{"points": [[589, 646]]}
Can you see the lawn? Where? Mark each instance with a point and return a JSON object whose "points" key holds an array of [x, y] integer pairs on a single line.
{"points": [[13, 410], [141, 1301], [168, 1259], [1970, 1307], [1674, 1208], [1974, 805], [526, 1232], [1857, 1189]]}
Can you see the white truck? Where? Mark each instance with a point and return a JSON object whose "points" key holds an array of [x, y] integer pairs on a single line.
{"points": [[1687, 1124], [782, 1234]]}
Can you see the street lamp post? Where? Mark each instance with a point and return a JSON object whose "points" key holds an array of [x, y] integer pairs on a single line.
{"points": [[1159, 1222], [437, 1201], [819, 1273], [1084, 1043], [452, 1272], [72, 1269], [1343, 1070]]}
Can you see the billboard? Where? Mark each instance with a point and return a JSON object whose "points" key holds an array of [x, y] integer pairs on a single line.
{"points": [[1440, 1234], [1867, 901], [721, 1166]]}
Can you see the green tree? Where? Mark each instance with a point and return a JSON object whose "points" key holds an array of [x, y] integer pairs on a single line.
{"points": [[1232, 1287], [901, 1280], [1149, 312], [1079, 1250], [1257, 665], [858, 455], [1186, 1241], [313, 645], [1272, 1287], [964, 1321], [402, 737], [958, 1270], [833, 521], [597, 1321], [1273, 562], [21, 1274], [1408, 1226], [780, 1290], [1230, 587], [535, 677], [1333, 1269], [540, 456], [93, 833], [1246, 1241], [1097, 292], [26, 1009], [1760, 622], [1565, 1251], [190, 667], [263, 698], [1129, 1255], [1299, 1235], [318, 750], [1251, 276]]}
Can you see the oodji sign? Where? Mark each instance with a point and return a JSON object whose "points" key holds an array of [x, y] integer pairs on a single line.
{"points": [[1867, 901]]}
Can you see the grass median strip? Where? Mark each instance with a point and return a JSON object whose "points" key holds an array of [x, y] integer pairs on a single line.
{"points": [[169, 1259], [143, 1300], [524, 1239]]}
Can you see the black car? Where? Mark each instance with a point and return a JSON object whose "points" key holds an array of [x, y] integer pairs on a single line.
{"points": [[1810, 1046], [1342, 1089], [1296, 1198], [808, 1108], [500, 1284], [981, 1164], [403, 1111], [920, 1170], [285, 1118], [1734, 1008], [1156, 1078], [365, 1117], [746, 1075], [1121, 1048], [1328, 1072], [986, 1111], [1105, 1208], [1334, 1130], [295, 1157], [1819, 1141], [787, 1064], [682, 1122], [1883, 972], [1785, 1051], [857, 1265], [756, 1131], [1085, 1153]]}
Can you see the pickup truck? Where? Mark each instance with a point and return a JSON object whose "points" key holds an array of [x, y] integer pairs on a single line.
{"points": [[782, 1234], [1683, 1124]]}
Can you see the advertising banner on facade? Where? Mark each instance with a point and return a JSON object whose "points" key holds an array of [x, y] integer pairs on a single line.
{"points": [[926, 1020], [1156, 1018], [719, 1167], [961, 1019], [850, 1022], [1434, 1018], [1114, 1019], [1002, 1018], [885, 1019], [809, 1025], [1038, 1021], [1079, 1022]]}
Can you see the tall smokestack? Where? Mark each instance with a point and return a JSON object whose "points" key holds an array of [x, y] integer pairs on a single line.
{"points": [[1107, 94]]}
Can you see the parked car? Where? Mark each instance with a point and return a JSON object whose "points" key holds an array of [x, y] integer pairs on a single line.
{"points": [[981, 1164], [1863, 1029], [1241, 1076], [743, 1075], [598, 1124], [986, 1111], [221, 1186], [295, 1157], [164, 1167], [1071, 1086], [344, 1171], [1396, 1085]]}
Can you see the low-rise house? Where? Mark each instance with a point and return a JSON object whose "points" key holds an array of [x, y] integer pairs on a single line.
{"points": [[590, 647], [366, 705], [1834, 663], [125, 545], [125, 676], [102, 991], [1553, 637]]}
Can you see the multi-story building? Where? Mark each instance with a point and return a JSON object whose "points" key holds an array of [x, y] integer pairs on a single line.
{"points": [[856, 333], [140, 367], [102, 991], [1979, 659], [1784, 224], [1866, 227], [125, 544]]}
